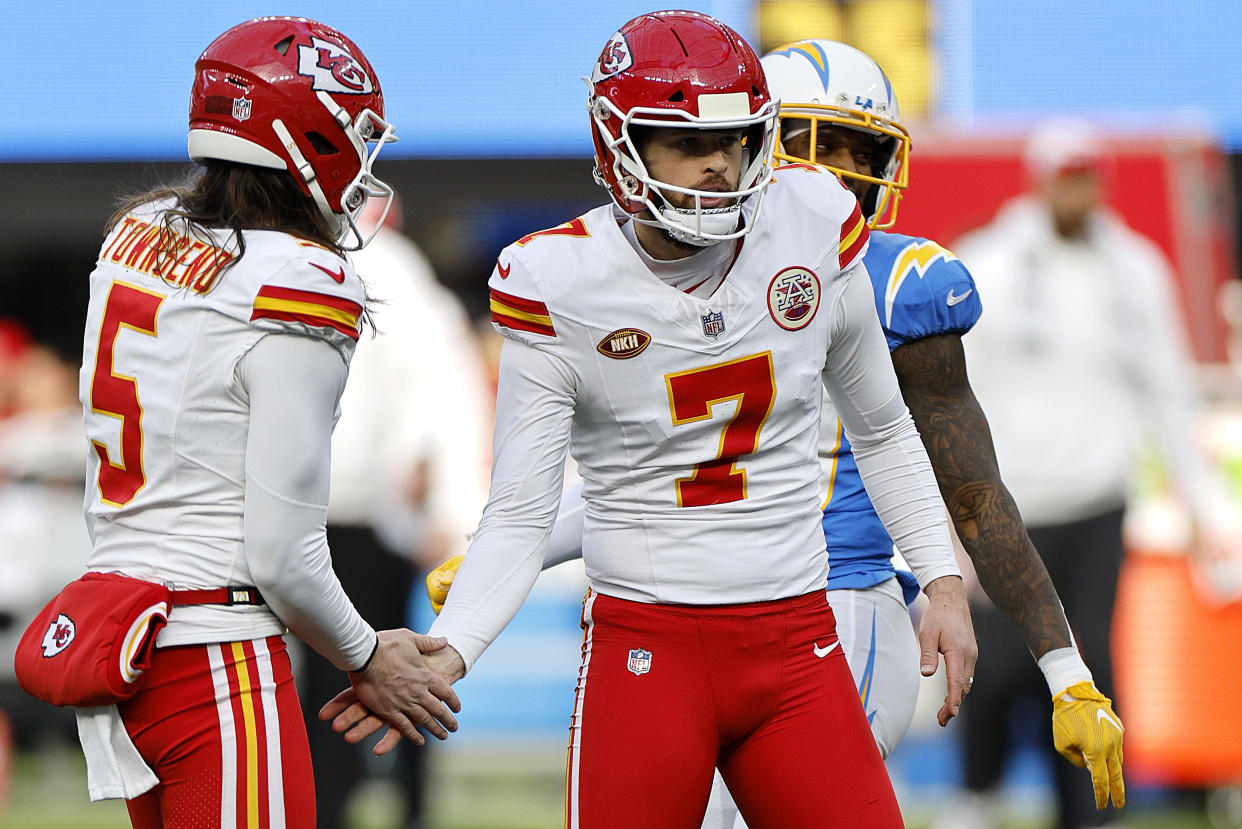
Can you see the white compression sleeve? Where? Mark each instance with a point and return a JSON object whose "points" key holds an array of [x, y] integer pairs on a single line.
{"points": [[534, 406], [294, 385], [890, 454]]}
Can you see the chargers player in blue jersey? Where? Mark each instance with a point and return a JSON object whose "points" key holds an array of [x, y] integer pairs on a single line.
{"points": [[838, 110]]}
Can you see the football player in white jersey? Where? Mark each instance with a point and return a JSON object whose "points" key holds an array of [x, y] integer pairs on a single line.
{"points": [[680, 340], [222, 318], [838, 109]]}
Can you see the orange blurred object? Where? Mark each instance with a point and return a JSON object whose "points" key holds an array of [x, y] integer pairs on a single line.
{"points": [[1178, 663]]}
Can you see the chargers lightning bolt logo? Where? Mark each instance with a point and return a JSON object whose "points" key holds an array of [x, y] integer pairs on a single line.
{"points": [[915, 258], [812, 51]]}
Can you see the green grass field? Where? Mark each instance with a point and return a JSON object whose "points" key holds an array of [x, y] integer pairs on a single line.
{"points": [[493, 789]]}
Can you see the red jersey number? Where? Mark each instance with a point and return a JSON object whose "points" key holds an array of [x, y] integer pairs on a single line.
{"points": [[116, 395], [692, 395]]}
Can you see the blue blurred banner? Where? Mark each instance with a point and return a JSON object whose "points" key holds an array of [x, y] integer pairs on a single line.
{"points": [[1144, 64], [460, 79], [502, 78]]}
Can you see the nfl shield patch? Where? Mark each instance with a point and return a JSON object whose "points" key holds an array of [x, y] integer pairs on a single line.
{"points": [[640, 661], [241, 109], [713, 323]]}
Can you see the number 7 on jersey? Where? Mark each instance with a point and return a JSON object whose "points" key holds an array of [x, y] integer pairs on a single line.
{"points": [[691, 396]]}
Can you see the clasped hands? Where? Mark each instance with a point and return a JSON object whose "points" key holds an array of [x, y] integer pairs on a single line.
{"points": [[407, 684]]}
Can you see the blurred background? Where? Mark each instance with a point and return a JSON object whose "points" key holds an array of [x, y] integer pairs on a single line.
{"points": [[488, 100]]}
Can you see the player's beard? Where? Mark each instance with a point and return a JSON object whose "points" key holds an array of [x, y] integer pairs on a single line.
{"points": [[685, 201]]}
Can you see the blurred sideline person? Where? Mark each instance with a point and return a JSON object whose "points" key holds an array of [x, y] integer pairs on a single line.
{"points": [[688, 370], [43, 543], [222, 318], [1081, 359], [926, 301], [409, 477]]}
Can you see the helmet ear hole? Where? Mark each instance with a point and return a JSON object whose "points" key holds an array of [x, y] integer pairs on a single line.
{"points": [[677, 96], [321, 144], [283, 46]]}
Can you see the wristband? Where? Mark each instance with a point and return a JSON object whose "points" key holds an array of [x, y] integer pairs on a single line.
{"points": [[374, 649], [1062, 668]]}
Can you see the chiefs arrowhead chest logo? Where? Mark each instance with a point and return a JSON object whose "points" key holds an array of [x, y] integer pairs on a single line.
{"points": [[624, 343], [59, 634]]}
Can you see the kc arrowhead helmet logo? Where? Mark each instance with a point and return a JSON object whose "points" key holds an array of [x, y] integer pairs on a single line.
{"points": [[333, 69]]}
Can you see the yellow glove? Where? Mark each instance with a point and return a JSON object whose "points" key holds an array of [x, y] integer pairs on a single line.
{"points": [[1087, 731], [440, 580]]}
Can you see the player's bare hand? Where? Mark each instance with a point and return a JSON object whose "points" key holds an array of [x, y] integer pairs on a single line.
{"points": [[355, 721], [398, 689], [946, 629], [447, 662]]}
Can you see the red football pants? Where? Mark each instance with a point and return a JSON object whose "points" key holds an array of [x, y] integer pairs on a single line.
{"points": [[221, 727], [667, 692]]}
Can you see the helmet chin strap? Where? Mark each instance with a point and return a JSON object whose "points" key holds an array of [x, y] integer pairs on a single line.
{"points": [[680, 224], [689, 225]]}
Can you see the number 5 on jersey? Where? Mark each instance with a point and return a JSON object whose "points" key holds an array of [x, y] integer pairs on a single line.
{"points": [[691, 396], [116, 395]]}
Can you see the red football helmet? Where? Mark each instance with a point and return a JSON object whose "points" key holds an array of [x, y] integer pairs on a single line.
{"points": [[290, 93], [682, 69]]}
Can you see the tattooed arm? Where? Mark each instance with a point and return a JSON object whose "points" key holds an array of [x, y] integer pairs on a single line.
{"points": [[932, 374]]}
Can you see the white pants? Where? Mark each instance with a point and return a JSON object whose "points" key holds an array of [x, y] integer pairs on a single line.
{"points": [[883, 654]]}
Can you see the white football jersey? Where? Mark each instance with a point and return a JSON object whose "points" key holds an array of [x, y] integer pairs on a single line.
{"points": [[164, 411], [694, 419]]}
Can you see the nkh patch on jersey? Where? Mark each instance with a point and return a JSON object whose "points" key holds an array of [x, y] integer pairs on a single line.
{"points": [[624, 343]]}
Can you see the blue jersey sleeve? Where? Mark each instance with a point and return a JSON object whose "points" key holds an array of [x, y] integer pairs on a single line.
{"points": [[921, 288]]}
